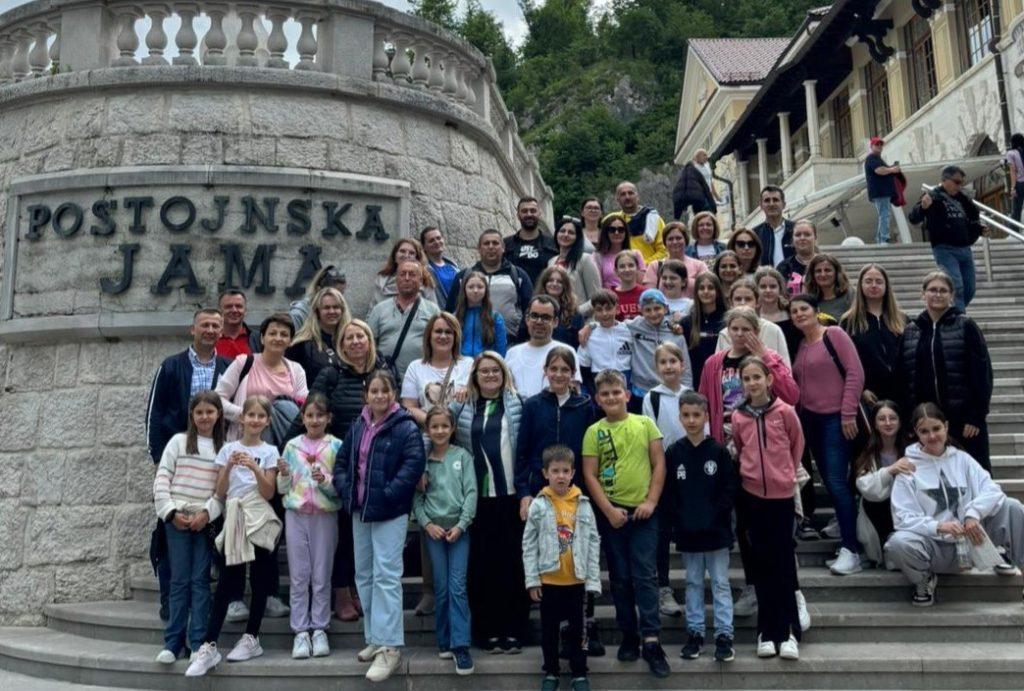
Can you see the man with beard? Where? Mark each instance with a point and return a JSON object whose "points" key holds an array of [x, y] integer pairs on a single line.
{"points": [[646, 226], [529, 249]]}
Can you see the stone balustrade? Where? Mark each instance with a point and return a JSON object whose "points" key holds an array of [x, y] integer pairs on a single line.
{"points": [[350, 39]]}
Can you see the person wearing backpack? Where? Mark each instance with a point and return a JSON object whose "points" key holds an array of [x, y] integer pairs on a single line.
{"points": [[831, 380]]}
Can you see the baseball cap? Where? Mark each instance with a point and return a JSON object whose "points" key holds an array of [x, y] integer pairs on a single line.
{"points": [[653, 294]]}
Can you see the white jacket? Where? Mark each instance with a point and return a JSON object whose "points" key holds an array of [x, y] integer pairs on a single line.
{"points": [[949, 487], [249, 522], [875, 486]]}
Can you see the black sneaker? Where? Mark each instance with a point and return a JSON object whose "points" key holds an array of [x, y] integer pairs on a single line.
{"points": [[723, 649], [493, 646], [511, 646], [550, 683], [463, 661], [691, 651], [806, 531], [629, 650], [595, 648], [656, 660]]}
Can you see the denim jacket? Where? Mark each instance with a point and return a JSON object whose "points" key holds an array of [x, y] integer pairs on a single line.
{"points": [[540, 543]]}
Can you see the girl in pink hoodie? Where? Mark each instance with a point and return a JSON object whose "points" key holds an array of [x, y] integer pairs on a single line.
{"points": [[769, 444]]}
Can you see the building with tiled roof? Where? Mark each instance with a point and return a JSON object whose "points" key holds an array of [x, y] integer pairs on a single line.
{"points": [[738, 60]]}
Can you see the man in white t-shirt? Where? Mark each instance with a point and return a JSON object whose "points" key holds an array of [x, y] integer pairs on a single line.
{"points": [[526, 360]]}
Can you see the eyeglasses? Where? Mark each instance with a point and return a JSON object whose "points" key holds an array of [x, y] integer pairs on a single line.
{"points": [[745, 244], [540, 317], [938, 291], [616, 229]]}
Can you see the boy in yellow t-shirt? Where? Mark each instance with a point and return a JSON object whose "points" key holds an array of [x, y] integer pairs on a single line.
{"points": [[561, 558]]}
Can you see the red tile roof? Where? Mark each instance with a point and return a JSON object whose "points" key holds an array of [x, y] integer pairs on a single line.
{"points": [[739, 60]]}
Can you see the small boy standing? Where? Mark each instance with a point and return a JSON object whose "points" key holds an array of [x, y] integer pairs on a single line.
{"points": [[609, 344], [701, 488], [624, 468], [561, 559]]}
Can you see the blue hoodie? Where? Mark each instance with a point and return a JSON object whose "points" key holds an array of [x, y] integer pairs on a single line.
{"points": [[543, 424], [472, 334]]}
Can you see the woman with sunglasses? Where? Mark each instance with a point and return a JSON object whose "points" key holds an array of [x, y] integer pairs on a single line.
{"points": [[747, 246], [614, 239], [583, 272]]}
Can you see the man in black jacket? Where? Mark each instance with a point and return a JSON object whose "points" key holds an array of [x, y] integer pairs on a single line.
{"points": [[180, 377], [953, 222], [693, 189], [776, 232]]}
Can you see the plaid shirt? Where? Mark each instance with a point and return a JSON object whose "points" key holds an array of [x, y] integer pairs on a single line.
{"points": [[202, 372]]}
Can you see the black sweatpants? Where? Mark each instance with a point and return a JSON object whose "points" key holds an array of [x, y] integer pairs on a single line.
{"points": [[498, 601], [262, 571], [344, 573], [566, 603]]}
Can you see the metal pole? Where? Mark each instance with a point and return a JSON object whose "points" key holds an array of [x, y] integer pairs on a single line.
{"points": [[986, 251]]}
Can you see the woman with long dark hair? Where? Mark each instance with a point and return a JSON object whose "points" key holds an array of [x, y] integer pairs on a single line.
{"points": [[614, 239], [586, 277], [705, 321], [875, 471], [875, 322], [827, 282]]}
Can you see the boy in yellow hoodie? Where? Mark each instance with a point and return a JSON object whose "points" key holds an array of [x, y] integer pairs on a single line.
{"points": [[561, 558]]}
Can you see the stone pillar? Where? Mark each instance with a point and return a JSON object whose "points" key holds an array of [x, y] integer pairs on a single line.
{"points": [[813, 129], [785, 146], [346, 45], [860, 118], [85, 37], [742, 187], [944, 44], [899, 87], [762, 161]]}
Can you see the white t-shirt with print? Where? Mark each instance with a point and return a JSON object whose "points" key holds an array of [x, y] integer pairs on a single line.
{"points": [[423, 381], [243, 480], [608, 348]]}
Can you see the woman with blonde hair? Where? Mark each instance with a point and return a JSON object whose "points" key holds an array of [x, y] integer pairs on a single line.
{"points": [[328, 276], [313, 345], [404, 250], [705, 230]]}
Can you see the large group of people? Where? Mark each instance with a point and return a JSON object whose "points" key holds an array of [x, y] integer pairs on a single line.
{"points": [[619, 386]]}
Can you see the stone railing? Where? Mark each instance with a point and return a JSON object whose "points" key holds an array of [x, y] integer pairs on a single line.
{"points": [[351, 39]]}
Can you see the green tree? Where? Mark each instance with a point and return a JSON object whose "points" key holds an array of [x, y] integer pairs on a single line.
{"points": [[441, 12], [482, 29]]}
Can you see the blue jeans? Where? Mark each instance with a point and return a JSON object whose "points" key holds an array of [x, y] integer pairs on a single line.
{"points": [[189, 555], [958, 262], [632, 570], [882, 231], [378, 549], [831, 451], [451, 619], [716, 564]]}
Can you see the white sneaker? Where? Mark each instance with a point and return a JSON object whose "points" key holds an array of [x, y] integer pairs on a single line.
{"points": [[321, 648], [832, 529], [166, 657], [765, 648], [846, 563], [302, 648], [801, 611], [667, 604], [384, 664], [206, 659], [247, 648], [369, 653], [746, 603], [237, 611], [275, 608], [790, 649]]}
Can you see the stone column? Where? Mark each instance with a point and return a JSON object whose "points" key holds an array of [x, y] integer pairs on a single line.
{"points": [[85, 37], [762, 161], [859, 116], [944, 44], [785, 146], [742, 187], [813, 129]]}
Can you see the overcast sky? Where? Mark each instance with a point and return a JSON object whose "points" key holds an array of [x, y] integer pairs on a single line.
{"points": [[507, 12]]}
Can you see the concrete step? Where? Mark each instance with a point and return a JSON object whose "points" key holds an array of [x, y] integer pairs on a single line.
{"points": [[1007, 403], [833, 622], [49, 654], [1005, 423], [1006, 444]]}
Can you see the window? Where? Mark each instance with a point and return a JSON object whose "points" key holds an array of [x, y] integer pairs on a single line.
{"points": [[843, 145], [975, 20], [923, 85], [877, 80]]}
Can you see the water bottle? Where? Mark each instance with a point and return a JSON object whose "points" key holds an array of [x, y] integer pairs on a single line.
{"points": [[963, 554]]}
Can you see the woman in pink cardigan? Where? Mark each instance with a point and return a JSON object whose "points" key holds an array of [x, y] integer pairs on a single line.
{"points": [[720, 379], [269, 373]]}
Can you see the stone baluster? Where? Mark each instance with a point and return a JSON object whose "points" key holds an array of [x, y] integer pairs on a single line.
{"points": [[55, 48], [469, 76], [246, 40], [380, 56], [6, 53], [39, 56], [435, 82], [127, 40], [460, 83], [307, 45], [420, 71], [277, 42], [156, 37], [400, 65], [20, 68], [186, 38], [215, 40], [451, 79]]}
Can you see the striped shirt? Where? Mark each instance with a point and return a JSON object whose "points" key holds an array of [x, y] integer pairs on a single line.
{"points": [[184, 481], [202, 372]]}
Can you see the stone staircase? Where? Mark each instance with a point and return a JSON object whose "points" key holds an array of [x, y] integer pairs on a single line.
{"points": [[865, 634]]}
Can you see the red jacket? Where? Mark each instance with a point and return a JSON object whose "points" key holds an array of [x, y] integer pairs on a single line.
{"points": [[783, 386], [769, 447]]}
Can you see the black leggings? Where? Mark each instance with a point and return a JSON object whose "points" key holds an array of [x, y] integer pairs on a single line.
{"points": [[344, 573], [498, 601], [262, 571]]}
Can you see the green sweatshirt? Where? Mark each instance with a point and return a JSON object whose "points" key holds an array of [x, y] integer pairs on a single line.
{"points": [[450, 498]]}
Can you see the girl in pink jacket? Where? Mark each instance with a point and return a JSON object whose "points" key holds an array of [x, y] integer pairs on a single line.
{"points": [[769, 444]]}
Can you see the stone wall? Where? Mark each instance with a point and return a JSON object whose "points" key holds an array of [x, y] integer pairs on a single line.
{"points": [[75, 478]]}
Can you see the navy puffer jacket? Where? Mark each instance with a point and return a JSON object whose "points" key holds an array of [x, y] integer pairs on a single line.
{"points": [[396, 462], [543, 424]]}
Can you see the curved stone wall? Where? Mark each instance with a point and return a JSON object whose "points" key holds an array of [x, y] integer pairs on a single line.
{"points": [[190, 175]]}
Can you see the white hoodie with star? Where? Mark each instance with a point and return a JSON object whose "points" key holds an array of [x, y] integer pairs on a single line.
{"points": [[952, 486]]}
